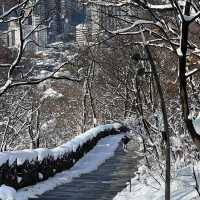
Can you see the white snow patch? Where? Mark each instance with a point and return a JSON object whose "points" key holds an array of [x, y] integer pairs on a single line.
{"points": [[160, 7], [104, 149], [179, 52], [196, 123], [19, 179], [182, 187], [19, 156], [164, 6], [7, 193], [43, 153], [62, 74], [50, 93], [40, 175], [49, 125]]}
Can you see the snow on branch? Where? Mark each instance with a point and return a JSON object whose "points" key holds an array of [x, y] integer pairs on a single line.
{"points": [[16, 7], [109, 4], [12, 9], [136, 23], [191, 18], [4, 88], [160, 7], [192, 72], [167, 6], [179, 52]]}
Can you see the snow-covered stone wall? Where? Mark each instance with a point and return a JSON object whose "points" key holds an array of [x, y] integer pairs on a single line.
{"points": [[27, 167]]}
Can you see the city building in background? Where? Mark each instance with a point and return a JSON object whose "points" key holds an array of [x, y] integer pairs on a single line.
{"points": [[62, 20]]}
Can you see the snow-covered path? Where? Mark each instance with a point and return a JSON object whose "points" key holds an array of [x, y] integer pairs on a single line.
{"points": [[84, 181]]}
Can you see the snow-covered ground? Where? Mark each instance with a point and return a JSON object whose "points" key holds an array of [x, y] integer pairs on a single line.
{"points": [[182, 187], [90, 162], [7, 193]]}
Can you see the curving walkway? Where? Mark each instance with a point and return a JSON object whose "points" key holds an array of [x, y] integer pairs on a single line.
{"points": [[102, 184]]}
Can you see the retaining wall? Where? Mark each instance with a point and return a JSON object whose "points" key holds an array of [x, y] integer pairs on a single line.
{"points": [[27, 167]]}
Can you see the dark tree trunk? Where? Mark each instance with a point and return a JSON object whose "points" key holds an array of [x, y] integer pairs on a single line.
{"points": [[183, 78]]}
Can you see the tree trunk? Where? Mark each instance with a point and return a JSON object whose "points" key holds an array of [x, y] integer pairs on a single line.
{"points": [[84, 109], [165, 121], [183, 78]]}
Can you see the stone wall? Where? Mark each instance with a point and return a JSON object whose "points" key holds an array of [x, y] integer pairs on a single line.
{"points": [[30, 172]]}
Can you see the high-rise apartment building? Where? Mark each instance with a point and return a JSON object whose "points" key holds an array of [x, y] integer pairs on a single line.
{"points": [[57, 20], [102, 15], [82, 34], [58, 16]]}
